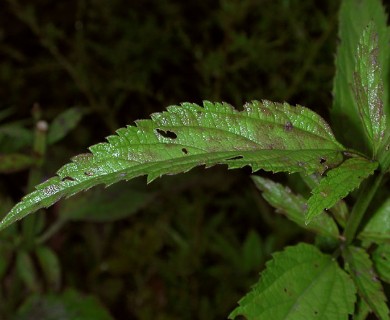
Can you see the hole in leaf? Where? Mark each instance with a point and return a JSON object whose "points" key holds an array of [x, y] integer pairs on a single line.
{"points": [[288, 126], [167, 134], [235, 158], [185, 151], [322, 160], [67, 178], [88, 173]]}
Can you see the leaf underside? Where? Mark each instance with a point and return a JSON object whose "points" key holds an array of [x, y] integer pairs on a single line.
{"points": [[338, 183], [299, 283], [294, 207], [265, 135]]}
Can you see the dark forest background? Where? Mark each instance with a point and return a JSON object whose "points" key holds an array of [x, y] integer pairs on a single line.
{"points": [[186, 246]]}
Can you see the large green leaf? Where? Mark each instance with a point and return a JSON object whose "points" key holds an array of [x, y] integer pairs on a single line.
{"points": [[353, 19], [265, 135], [338, 183], [299, 283], [369, 287], [294, 207], [368, 87]]}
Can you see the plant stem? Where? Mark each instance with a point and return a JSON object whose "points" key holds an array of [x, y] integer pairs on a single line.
{"points": [[365, 197], [53, 229]]}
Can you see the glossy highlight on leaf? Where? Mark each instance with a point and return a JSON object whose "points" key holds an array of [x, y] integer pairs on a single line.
{"points": [[190, 135]]}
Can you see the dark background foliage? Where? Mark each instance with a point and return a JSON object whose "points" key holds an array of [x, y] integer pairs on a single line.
{"points": [[185, 247]]}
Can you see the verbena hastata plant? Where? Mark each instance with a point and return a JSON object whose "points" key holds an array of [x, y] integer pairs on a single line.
{"points": [[300, 282]]}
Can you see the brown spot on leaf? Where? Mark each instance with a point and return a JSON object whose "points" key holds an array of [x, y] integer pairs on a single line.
{"points": [[288, 126]]}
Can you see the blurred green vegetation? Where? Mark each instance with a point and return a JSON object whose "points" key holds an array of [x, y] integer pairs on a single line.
{"points": [[184, 247]]}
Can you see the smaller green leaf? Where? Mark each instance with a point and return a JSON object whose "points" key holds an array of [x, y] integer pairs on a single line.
{"points": [[368, 87], [50, 266], [294, 207], [63, 124], [369, 287], [337, 184], [299, 283], [378, 227], [15, 162], [381, 259]]}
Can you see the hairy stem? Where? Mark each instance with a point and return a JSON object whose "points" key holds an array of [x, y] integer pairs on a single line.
{"points": [[366, 194]]}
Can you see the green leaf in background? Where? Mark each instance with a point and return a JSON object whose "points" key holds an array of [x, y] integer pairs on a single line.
{"points": [[299, 283], [365, 278], [27, 271], [368, 87], [265, 135], [381, 259], [63, 124], [50, 266], [70, 305], [252, 252], [378, 227], [104, 205], [294, 207], [15, 162], [337, 184], [354, 17]]}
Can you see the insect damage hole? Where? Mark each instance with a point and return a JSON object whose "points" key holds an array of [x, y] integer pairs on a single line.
{"points": [[167, 134], [184, 150], [67, 178], [235, 158]]}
